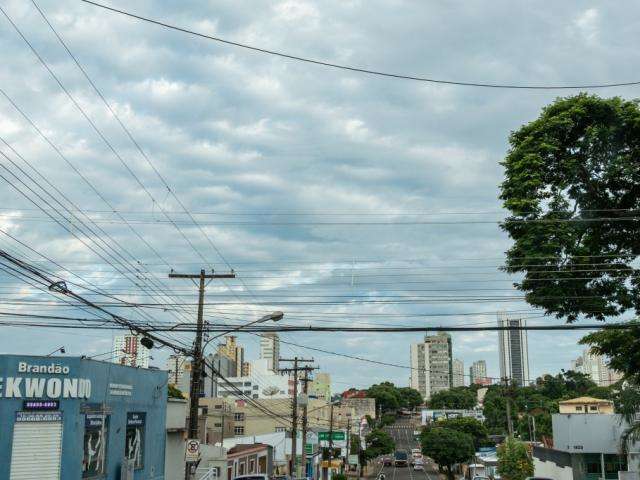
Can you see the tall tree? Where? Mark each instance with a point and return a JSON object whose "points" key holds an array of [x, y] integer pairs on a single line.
{"points": [[447, 447], [514, 462], [378, 443], [411, 398], [572, 187], [458, 397]]}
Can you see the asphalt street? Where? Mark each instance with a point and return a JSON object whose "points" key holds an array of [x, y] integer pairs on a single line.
{"points": [[402, 433]]}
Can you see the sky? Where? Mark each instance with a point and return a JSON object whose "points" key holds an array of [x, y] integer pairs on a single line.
{"points": [[338, 197]]}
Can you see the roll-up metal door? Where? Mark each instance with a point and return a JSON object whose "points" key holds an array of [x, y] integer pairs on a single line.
{"points": [[37, 447]]}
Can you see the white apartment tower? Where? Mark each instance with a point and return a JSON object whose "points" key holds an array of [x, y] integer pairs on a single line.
{"points": [[458, 373], [478, 372], [270, 350], [513, 349], [127, 350], [431, 365], [596, 368]]}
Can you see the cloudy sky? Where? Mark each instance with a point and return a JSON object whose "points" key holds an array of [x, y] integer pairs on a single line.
{"points": [[338, 197]]}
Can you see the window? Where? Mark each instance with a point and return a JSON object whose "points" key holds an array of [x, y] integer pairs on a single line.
{"points": [[217, 424], [252, 466], [134, 438], [217, 407], [579, 408], [238, 430], [281, 429], [593, 408], [238, 417], [256, 387], [247, 384], [96, 426]]}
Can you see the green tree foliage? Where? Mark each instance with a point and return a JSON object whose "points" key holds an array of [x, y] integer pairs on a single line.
{"points": [[468, 425], [387, 396], [578, 162], [410, 398], [622, 347], [174, 392], [387, 419], [447, 447], [379, 443], [514, 462], [456, 398], [354, 441]]}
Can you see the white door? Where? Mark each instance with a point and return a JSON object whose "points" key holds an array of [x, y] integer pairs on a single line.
{"points": [[36, 451]]}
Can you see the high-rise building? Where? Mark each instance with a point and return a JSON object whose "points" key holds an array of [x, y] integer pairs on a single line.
{"points": [[595, 366], [320, 387], [127, 350], [270, 350], [458, 373], [431, 365], [179, 372], [246, 369], [478, 372], [233, 352], [514, 353]]}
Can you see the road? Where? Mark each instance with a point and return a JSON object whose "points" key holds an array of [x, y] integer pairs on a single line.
{"points": [[402, 433]]}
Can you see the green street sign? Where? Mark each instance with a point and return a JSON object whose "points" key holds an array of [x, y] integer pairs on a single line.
{"points": [[308, 448], [335, 436]]}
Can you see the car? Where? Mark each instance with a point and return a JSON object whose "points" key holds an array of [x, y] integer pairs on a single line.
{"points": [[418, 466], [387, 461]]}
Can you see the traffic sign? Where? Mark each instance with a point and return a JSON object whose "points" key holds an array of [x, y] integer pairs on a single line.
{"points": [[335, 436], [308, 448], [192, 450]]}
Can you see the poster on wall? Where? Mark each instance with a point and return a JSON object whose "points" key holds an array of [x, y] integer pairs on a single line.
{"points": [[96, 426], [134, 442]]}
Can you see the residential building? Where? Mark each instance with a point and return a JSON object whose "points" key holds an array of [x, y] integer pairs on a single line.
{"points": [[127, 350], [247, 459], [320, 387], [217, 420], [478, 372], [246, 369], [260, 383], [270, 350], [233, 352], [587, 446], [431, 365], [595, 366], [458, 373], [362, 407], [73, 417], [586, 405], [513, 350], [179, 369]]}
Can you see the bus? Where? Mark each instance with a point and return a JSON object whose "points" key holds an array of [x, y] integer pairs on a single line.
{"points": [[401, 459]]}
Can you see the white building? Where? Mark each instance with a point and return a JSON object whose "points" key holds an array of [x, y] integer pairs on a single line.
{"points": [[127, 350], [270, 350], [596, 368], [514, 352], [458, 373], [431, 365], [478, 372], [262, 382]]}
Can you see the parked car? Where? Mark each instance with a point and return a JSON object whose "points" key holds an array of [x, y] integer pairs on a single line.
{"points": [[387, 461]]}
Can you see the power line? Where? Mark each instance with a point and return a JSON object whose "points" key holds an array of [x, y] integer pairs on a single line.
{"points": [[352, 68]]}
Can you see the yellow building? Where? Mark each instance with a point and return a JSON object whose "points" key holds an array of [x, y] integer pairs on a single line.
{"points": [[588, 405], [234, 352], [217, 420]]}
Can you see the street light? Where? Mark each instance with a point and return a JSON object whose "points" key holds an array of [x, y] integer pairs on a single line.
{"points": [[273, 317], [59, 349]]}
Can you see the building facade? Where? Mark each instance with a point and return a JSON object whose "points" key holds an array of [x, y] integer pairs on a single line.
{"points": [[595, 366], [270, 350], [432, 365], [513, 350], [78, 418], [320, 387], [478, 372], [260, 383], [234, 352], [458, 373], [127, 350]]}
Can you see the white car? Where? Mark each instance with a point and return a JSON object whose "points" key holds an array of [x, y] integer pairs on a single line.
{"points": [[418, 466]]}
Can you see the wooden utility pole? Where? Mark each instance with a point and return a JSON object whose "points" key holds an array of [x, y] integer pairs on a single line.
{"points": [[305, 391], [196, 365], [294, 409]]}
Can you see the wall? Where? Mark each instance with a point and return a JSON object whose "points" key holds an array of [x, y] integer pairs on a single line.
{"points": [[549, 463], [146, 391], [176, 435], [579, 433]]}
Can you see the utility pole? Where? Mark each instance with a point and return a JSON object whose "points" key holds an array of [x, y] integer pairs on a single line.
{"points": [[508, 404], [196, 366], [294, 409], [330, 439], [305, 391]]}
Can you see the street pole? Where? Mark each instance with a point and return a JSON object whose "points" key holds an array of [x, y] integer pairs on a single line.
{"points": [[305, 391], [196, 365], [330, 438], [294, 409], [508, 404]]}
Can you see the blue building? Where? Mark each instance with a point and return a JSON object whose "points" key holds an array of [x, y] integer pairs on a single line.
{"points": [[75, 418]]}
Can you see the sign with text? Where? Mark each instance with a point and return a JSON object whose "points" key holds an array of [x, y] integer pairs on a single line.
{"points": [[335, 436]]}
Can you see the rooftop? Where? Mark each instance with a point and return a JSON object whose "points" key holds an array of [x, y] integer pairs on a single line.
{"points": [[583, 400]]}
